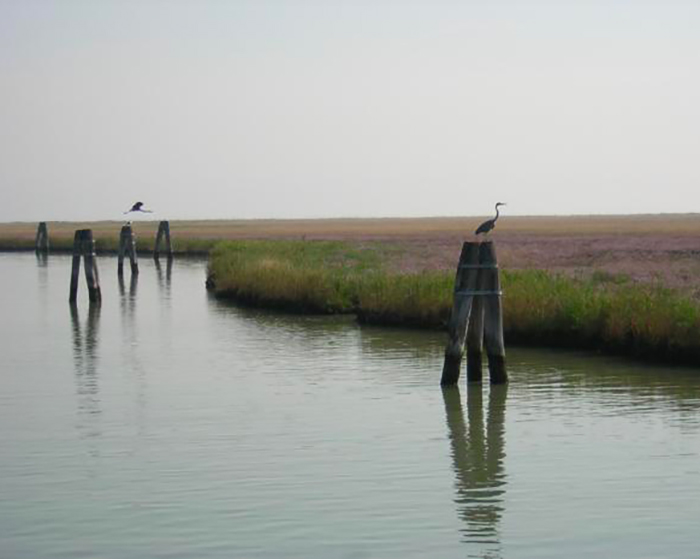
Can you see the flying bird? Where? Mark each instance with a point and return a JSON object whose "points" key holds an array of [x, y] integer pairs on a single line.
{"points": [[138, 207], [489, 224]]}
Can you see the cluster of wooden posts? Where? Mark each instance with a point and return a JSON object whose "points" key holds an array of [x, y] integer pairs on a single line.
{"points": [[477, 317], [84, 248]]}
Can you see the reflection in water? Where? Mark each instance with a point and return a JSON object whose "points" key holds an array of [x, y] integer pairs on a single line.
{"points": [[85, 356], [614, 382], [42, 259], [478, 454], [402, 343], [128, 311], [128, 301], [130, 347], [164, 281], [42, 262]]}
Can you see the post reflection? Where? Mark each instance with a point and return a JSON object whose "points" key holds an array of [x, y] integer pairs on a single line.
{"points": [[130, 348], [164, 279], [42, 262], [478, 453], [128, 300], [85, 354]]}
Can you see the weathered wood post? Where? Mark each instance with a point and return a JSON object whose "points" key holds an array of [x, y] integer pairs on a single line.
{"points": [[475, 337], [84, 245], [475, 333], [41, 244], [493, 315], [477, 315], [163, 232], [127, 245], [77, 253], [465, 283]]}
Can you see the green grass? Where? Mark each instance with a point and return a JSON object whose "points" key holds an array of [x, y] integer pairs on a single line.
{"points": [[320, 276], [421, 299], [639, 319], [12, 244], [604, 311]]}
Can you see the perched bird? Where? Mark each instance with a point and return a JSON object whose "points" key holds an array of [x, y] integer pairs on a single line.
{"points": [[489, 224], [138, 207]]}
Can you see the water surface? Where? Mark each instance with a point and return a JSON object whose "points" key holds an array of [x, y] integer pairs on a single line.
{"points": [[167, 424]]}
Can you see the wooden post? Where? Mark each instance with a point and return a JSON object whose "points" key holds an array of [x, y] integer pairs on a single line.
{"points": [[77, 252], [475, 337], [127, 245], [163, 231], [465, 283], [477, 316], [84, 245], [41, 243], [122, 250], [91, 275], [493, 315]]}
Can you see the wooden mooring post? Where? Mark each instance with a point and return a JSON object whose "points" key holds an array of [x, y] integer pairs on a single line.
{"points": [[163, 233], [127, 245], [84, 245], [477, 317], [41, 243], [475, 339]]}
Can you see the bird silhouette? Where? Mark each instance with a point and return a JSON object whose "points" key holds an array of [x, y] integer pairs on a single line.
{"points": [[138, 207], [489, 224]]}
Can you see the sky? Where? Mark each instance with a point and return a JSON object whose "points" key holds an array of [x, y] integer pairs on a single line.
{"points": [[366, 108]]}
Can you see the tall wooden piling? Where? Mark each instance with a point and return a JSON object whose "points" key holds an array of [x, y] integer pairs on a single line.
{"points": [[84, 246], [41, 243], [127, 245], [75, 272], [465, 283], [475, 338], [163, 234], [477, 315], [493, 315]]}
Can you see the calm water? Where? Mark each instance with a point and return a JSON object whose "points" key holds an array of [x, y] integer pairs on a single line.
{"points": [[167, 424]]}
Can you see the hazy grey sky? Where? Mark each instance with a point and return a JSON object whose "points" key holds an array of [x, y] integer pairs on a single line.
{"points": [[263, 108]]}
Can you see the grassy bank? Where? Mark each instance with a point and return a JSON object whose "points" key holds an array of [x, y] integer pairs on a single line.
{"points": [[21, 237], [603, 312]]}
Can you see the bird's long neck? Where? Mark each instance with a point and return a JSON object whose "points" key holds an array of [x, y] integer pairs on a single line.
{"points": [[495, 218]]}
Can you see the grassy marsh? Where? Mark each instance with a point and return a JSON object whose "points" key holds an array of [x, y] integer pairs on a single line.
{"points": [[602, 311], [622, 283]]}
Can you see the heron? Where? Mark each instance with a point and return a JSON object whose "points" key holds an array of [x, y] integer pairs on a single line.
{"points": [[138, 207], [489, 224]]}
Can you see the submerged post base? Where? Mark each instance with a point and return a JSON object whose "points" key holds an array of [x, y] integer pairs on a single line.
{"points": [[474, 367], [497, 369], [450, 370]]}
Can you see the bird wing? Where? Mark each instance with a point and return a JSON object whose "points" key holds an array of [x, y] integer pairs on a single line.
{"points": [[484, 227]]}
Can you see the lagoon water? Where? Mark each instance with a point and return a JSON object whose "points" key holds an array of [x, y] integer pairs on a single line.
{"points": [[168, 424]]}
